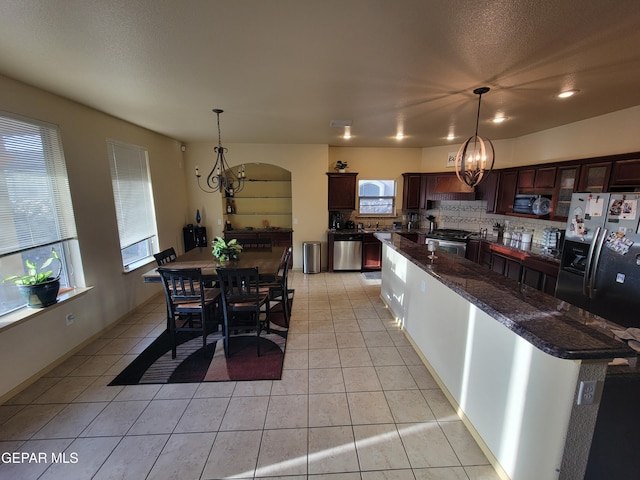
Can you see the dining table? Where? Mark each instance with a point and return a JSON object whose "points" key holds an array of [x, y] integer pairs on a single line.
{"points": [[267, 262]]}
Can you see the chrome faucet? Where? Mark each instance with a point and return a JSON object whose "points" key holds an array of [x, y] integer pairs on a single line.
{"points": [[408, 225]]}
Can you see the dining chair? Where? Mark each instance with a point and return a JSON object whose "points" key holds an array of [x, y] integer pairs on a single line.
{"points": [[191, 308], [244, 306], [165, 256], [278, 287]]}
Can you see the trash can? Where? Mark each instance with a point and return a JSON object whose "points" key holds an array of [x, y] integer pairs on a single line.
{"points": [[311, 257]]}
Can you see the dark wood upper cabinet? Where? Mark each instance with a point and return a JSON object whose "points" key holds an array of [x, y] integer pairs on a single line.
{"points": [[594, 177], [411, 191], [566, 183], [424, 192], [507, 186], [487, 190], [536, 178], [625, 174], [526, 178], [446, 186], [342, 191], [545, 177]]}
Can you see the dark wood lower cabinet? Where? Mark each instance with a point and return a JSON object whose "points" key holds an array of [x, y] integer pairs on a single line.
{"points": [[413, 236], [516, 265], [473, 250], [371, 253], [540, 275], [506, 266]]}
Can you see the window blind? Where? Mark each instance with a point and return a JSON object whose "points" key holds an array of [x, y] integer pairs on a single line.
{"points": [[132, 193], [35, 202]]}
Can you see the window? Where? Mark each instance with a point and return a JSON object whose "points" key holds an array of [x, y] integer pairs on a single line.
{"points": [[133, 197], [376, 197], [36, 213]]}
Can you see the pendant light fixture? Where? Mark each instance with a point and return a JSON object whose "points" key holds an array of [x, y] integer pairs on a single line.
{"points": [[222, 178], [474, 160]]}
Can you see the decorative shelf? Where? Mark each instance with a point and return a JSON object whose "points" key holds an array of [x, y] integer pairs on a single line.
{"points": [[262, 214], [249, 198]]}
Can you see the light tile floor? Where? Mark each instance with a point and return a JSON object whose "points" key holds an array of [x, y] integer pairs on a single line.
{"points": [[354, 402]]}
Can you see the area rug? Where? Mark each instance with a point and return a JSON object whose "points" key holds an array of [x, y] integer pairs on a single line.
{"points": [[195, 364], [372, 275]]}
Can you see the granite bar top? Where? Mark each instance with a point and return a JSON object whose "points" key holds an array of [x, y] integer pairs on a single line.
{"points": [[552, 325]]}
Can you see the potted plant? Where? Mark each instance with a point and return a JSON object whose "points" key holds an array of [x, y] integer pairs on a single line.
{"points": [[341, 166], [39, 286], [226, 250]]}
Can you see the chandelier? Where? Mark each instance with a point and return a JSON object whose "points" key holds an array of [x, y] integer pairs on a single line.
{"points": [[222, 178], [474, 160]]}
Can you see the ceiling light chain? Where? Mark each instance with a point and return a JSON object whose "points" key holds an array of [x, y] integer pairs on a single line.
{"points": [[222, 177], [471, 164]]}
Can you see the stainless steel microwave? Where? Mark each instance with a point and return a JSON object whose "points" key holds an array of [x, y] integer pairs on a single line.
{"points": [[532, 204]]}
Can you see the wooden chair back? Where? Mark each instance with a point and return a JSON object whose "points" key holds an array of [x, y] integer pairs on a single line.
{"points": [[165, 256]]}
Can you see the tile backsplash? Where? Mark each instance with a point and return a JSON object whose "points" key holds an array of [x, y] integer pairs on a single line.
{"points": [[472, 215]]}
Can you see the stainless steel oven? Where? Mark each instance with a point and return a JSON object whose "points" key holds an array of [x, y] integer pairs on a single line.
{"points": [[451, 240]]}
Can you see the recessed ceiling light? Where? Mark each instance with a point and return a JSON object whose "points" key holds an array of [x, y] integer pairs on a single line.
{"points": [[399, 136], [451, 136], [347, 132], [568, 93], [340, 123], [499, 119]]}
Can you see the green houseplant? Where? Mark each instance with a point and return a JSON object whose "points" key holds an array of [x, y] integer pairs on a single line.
{"points": [[341, 166], [39, 286], [226, 250]]}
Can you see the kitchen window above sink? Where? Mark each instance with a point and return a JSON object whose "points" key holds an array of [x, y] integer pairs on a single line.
{"points": [[376, 197]]}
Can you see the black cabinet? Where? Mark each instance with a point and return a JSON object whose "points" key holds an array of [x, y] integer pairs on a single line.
{"points": [[194, 237]]}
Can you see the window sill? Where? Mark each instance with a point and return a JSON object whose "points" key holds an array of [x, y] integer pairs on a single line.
{"points": [[26, 313], [138, 265]]}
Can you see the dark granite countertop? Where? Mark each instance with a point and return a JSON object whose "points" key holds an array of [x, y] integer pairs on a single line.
{"points": [[552, 325], [373, 230]]}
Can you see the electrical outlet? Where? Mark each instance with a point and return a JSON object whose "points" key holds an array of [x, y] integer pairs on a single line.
{"points": [[69, 318], [587, 392]]}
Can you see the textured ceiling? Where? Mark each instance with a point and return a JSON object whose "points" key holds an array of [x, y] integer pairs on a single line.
{"points": [[283, 69]]}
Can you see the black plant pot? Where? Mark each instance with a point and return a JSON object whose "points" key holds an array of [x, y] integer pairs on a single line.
{"points": [[41, 295]]}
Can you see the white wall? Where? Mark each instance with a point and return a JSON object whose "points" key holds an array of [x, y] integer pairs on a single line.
{"points": [[34, 344]]}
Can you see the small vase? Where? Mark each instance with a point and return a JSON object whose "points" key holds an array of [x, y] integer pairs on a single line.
{"points": [[341, 170]]}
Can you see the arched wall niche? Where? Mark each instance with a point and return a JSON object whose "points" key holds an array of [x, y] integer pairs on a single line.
{"points": [[264, 201]]}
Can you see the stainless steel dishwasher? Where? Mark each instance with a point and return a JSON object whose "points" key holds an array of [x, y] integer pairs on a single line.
{"points": [[347, 252]]}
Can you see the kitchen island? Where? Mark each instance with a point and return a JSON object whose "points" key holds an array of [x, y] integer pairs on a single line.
{"points": [[510, 358]]}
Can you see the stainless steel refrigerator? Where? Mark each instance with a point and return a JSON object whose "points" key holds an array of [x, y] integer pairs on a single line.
{"points": [[600, 264]]}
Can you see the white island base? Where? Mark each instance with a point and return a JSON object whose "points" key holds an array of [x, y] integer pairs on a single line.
{"points": [[519, 402]]}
